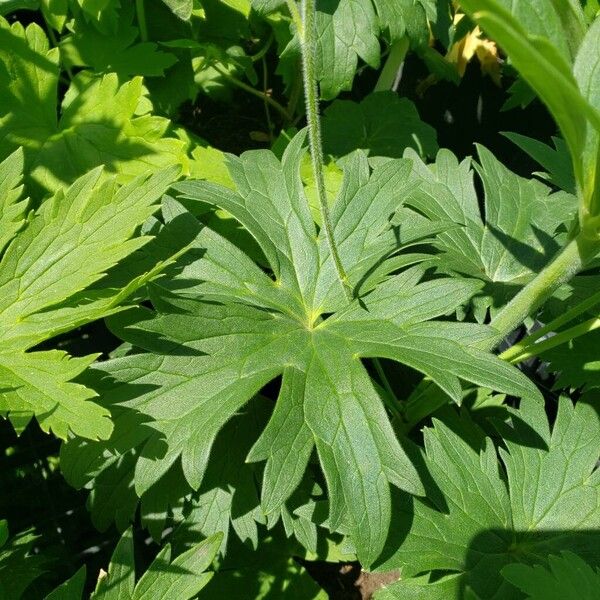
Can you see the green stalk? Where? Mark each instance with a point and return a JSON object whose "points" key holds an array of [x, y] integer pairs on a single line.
{"points": [[141, 19], [563, 268], [556, 340], [392, 66], [307, 39], [524, 345]]}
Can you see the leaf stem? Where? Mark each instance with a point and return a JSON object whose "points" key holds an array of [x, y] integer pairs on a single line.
{"points": [[567, 263], [141, 19], [248, 88], [556, 340], [392, 69], [307, 39], [523, 346]]}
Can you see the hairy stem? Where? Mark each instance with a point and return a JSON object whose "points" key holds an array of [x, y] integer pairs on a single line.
{"points": [[307, 38], [563, 268]]}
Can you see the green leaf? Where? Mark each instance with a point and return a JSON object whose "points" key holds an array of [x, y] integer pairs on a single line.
{"points": [[576, 362], [521, 233], [119, 52], [181, 8], [567, 577], [539, 51], [383, 124], [101, 123], [8, 6], [119, 582], [19, 565], [555, 160], [182, 577], [349, 30], [586, 68], [222, 329], [12, 209], [483, 520], [81, 234], [103, 14], [72, 589], [267, 573]]}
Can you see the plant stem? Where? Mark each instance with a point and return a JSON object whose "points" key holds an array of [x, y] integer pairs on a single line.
{"points": [[392, 69], [561, 269], [307, 38], [141, 19], [524, 345], [248, 88], [556, 340]]}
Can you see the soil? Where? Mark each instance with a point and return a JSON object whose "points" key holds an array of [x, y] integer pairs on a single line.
{"points": [[347, 581]]}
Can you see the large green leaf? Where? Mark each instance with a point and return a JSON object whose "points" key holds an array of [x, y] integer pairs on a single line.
{"points": [[119, 52], [547, 501], [101, 122], [383, 124], [521, 232], [51, 281], [223, 328]]}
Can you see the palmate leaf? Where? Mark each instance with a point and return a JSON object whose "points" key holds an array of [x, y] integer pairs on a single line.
{"points": [[383, 124], [118, 52], [549, 501], [51, 282], [224, 328], [521, 232], [101, 122]]}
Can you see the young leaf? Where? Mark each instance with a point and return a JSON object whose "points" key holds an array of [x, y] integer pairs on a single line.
{"points": [[66, 248], [519, 236], [224, 329], [548, 501], [102, 122], [567, 577]]}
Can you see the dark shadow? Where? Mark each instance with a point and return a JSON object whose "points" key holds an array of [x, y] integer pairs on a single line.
{"points": [[523, 253], [493, 549]]}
